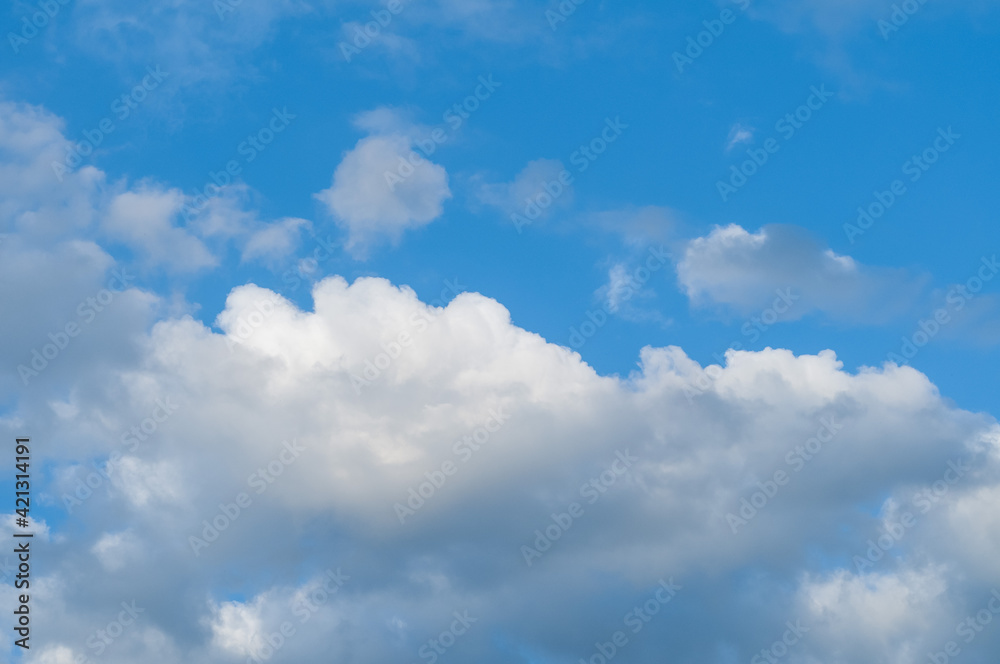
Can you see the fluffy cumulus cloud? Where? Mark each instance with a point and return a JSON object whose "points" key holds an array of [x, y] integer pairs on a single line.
{"points": [[432, 476], [384, 185], [748, 272]]}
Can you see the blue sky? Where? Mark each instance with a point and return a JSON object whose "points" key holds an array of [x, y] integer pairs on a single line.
{"points": [[596, 323]]}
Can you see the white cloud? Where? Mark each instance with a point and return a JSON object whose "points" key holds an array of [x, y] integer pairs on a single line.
{"points": [[235, 626], [877, 617], [292, 378], [382, 188], [735, 268], [738, 135]]}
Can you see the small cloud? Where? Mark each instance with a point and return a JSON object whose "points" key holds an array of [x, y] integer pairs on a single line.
{"points": [[734, 268], [383, 186], [627, 286], [739, 134]]}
